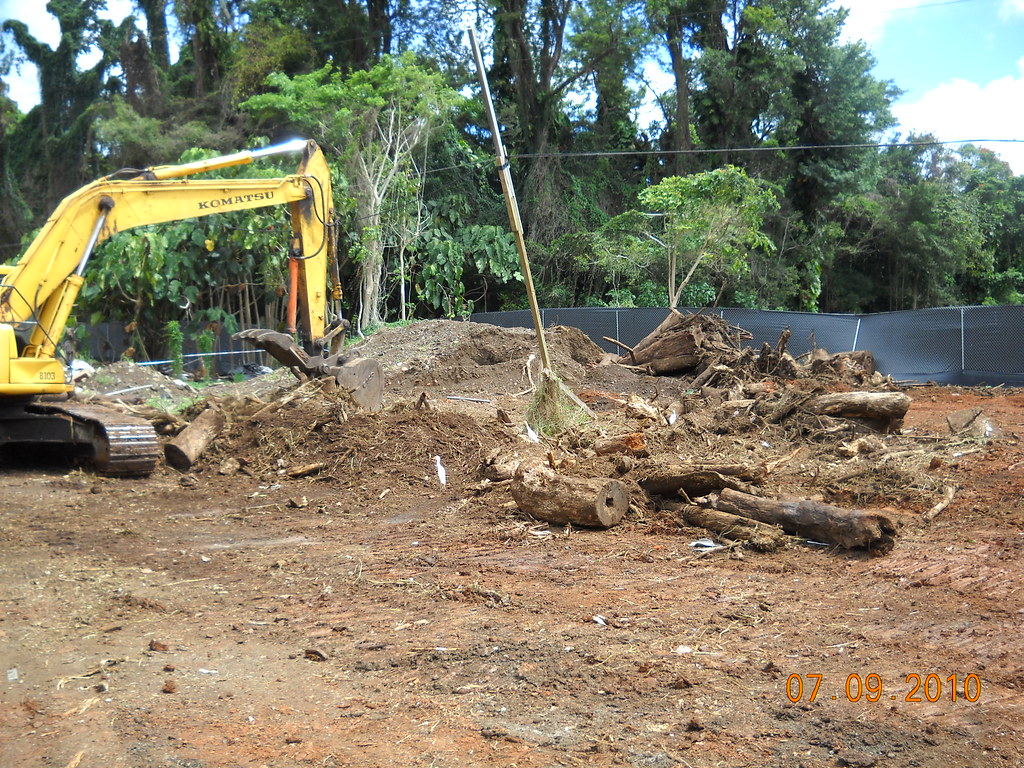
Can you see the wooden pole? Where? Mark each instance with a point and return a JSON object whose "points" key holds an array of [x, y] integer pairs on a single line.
{"points": [[511, 204]]}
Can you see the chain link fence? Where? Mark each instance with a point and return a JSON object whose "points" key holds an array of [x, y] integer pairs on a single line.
{"points": [[947, 345]]}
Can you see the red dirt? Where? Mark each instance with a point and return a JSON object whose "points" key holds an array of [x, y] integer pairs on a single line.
{"points": [[368, 616]]}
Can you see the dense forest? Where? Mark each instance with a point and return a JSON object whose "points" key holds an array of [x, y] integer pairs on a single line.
{"points": [[754, 176]]}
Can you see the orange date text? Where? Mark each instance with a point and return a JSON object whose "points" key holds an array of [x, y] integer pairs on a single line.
{"points": [[914, 688]]}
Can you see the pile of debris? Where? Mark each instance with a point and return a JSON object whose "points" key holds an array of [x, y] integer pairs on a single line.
{"points": [[707, 346], [753, 445], [726, 390]]}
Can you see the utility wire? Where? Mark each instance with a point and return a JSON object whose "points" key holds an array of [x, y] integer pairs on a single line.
{"points": [[788, 148]]}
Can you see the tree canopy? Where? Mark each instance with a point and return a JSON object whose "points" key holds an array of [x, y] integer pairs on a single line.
{"points": [[755, 175]]}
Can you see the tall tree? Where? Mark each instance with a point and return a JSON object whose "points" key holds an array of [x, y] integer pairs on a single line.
{"points": [[155, 14], [376, 121], [207, 43], [50, 149]]}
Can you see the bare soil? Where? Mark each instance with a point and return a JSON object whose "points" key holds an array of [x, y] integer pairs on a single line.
{"points": [[366, 615]]}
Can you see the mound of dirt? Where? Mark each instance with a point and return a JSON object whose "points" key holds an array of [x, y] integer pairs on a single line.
{"points": [[134, 383], [447, 352], [319, 429]]}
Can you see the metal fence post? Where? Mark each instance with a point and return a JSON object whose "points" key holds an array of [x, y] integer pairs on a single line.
{"points": [[856, 335], [963, 348]]}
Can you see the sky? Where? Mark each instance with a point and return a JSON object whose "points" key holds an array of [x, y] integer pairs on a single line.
{"points": [[959, 63]]}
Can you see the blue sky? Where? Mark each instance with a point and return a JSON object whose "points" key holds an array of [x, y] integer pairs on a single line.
{"points": [[960, 63]]}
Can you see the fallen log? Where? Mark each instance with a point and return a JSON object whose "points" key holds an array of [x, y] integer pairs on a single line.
{"points": [[881, 410], [185, 449], [700, 480], [546, 495], [849, 528], [760, 536], [632, 444]]}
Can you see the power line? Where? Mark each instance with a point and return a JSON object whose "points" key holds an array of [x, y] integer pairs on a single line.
{"points": [[928, 5], [788, 148]]}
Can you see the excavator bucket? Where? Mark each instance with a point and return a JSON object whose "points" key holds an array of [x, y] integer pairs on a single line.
{"points": [[280, 346], [363, 379]]}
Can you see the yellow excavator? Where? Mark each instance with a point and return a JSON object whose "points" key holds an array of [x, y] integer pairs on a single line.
{"points": [[38, 293]]}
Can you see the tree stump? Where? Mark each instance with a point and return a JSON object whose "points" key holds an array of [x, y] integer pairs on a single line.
{"points": [[546, 495], [680, 343], [185, 449]]}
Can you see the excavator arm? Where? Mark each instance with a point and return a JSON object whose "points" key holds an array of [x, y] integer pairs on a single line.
{"points": [[40, 290], [38, 293]]}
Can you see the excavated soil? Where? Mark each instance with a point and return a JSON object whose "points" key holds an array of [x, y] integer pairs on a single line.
{"points": [[309, 594]]}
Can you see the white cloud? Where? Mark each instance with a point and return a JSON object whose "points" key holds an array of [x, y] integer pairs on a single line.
{"points": [[1010, 8], [868, 18], [960, 109]]}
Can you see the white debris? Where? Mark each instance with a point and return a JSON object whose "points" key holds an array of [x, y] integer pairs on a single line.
{"points": [[706, 545], [81, 370]]}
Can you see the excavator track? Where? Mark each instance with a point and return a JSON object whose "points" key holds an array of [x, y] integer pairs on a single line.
{"points": [[115, 443]]}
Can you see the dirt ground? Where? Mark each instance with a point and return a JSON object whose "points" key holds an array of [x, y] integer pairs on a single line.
{"points": [[365, 615]]}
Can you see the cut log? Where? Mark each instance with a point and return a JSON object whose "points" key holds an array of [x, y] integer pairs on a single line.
{"points": [[760, 536], [881, 410], [849, 528], [632, 444], [546, 495], [185, 449]]}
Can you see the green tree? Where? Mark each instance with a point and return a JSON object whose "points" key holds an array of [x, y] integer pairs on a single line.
{"points": [[712, 221], [50, 151], [378, 122]]}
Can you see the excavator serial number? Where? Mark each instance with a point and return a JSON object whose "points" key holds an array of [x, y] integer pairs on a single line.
{"points": [[47, 376]]}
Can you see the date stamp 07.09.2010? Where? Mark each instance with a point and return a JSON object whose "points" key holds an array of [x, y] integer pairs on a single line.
{"points": [[915, 688]]}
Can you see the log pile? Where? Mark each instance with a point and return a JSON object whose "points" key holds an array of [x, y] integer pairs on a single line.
{"points": [[725, 499], [707, 346], [728, 386]]}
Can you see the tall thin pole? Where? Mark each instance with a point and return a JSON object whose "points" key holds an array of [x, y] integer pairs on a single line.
{"points": [[511, 204]]}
